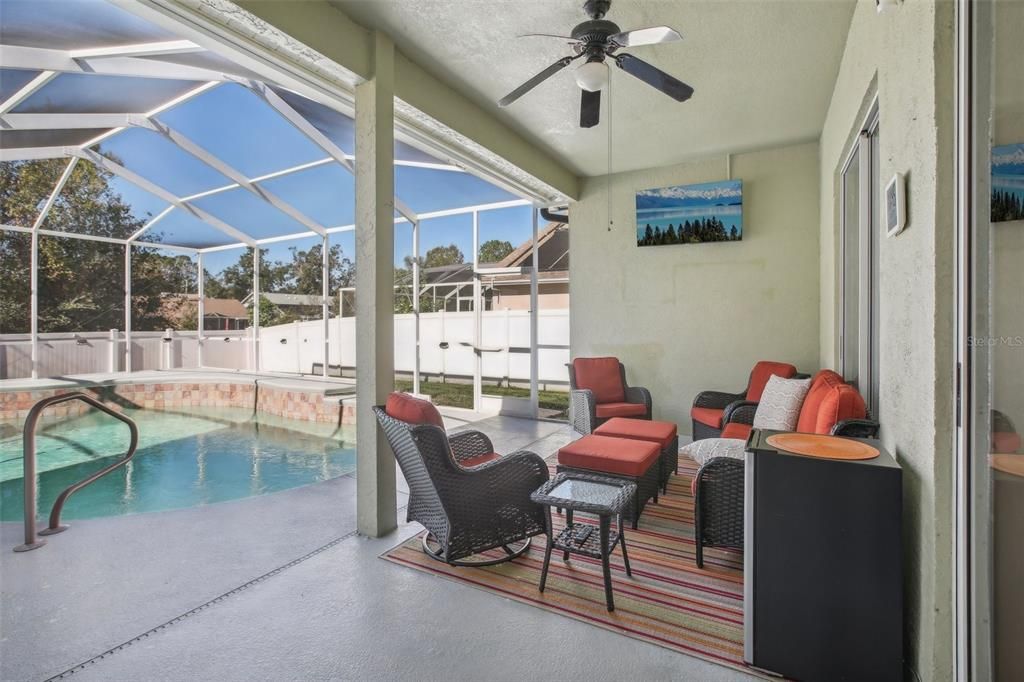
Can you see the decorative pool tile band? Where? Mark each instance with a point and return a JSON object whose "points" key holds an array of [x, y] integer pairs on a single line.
{"points": [[287, 403]]}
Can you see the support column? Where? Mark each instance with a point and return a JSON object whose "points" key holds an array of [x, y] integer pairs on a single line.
{"points": [[416, 304], [534, 322], [478, 319], [256, 257], [128, 307], [376, 494], [34, 304], [325, 311], [201, 310]]}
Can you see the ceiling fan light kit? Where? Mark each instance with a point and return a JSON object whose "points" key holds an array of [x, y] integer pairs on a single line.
{"points": [[592, 76], [599, 40]]}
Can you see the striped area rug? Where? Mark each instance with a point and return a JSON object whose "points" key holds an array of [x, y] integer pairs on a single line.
{"points": [[668, 601]]}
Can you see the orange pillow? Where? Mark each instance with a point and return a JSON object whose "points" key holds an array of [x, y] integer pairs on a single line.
{"points": [[412, 410], [602, 376], [823, 382], [841, 402]]}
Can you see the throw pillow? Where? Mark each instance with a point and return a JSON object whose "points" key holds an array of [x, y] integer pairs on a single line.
{"points": [[700, 451], [779, 408]]}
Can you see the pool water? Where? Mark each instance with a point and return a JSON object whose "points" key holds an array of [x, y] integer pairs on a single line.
{"points": [[183, 460]]}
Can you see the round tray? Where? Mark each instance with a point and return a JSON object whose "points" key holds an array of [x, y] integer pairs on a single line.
{"points": [[826, 447], [1008, 464]]}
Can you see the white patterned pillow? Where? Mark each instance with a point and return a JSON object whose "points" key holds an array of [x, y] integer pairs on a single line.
{"points": [[705, 449], [779, 408]]}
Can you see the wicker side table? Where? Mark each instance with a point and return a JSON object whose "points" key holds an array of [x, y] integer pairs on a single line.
{"points": [[598, 495]]}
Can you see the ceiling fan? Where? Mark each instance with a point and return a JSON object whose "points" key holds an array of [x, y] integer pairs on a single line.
{"points": [[598, 40]]}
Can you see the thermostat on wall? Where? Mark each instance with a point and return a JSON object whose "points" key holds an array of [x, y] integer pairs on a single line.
{"points": [[895, 205]]}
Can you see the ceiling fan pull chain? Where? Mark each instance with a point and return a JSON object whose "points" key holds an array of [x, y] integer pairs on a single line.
{"points": [[608, 89]]}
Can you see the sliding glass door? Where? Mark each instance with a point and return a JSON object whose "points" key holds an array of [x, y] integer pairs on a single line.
{"points": [[991, 331], [859, 235]]}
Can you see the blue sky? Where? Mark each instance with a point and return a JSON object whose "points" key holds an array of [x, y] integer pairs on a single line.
{"points": [[240, 129]]}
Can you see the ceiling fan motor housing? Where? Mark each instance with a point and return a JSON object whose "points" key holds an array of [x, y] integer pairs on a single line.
{"points": [[596, 9], [596, 31]]}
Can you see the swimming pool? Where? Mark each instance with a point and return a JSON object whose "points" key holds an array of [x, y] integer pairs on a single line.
{"points": [[183, 460]]}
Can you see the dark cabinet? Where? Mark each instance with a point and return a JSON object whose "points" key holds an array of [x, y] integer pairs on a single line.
{"points": [[823, 574]]}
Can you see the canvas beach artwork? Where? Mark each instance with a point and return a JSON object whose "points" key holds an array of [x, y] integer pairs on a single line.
{"points": [[690, 214], [1008, 183]]}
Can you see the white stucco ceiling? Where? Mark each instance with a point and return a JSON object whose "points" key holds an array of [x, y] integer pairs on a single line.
{"points": [[763, 71]]}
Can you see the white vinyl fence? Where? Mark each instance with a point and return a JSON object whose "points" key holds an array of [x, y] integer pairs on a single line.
{"points": [[446, 340]]}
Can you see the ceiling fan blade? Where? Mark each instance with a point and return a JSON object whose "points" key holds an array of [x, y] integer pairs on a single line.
{"points": [[590, 108], [548, 35], [645, 36], [535, 81], [655, 77]]}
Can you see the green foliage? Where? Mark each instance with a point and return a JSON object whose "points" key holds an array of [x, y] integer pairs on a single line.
{"points": [[443, 255], [81, 283], [270, 314], [495, 250]]}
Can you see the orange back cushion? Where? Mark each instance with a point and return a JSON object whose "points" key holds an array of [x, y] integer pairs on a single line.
{"points": [[842, 402], [762, 371], [412, 410], [602, 376], [822, 384]]}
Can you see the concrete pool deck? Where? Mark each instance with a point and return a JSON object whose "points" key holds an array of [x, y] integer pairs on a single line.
{"points": [[280, 587]]}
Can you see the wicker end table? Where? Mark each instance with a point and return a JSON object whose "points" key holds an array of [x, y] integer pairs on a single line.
{"points": [[598, 495]]}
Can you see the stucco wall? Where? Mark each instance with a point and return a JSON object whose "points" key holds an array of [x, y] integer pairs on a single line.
{"points": [[906, 55], [686, 318]]}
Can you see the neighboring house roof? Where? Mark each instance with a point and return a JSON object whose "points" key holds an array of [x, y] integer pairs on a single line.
{"points": [[286, 299], [177, 306], [553, 255]]}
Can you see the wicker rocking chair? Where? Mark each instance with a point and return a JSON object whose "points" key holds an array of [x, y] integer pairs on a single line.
{"points": [[467, 508]]}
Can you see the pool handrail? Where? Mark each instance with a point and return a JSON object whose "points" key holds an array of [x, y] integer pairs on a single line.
{"points": [[29, 466]]}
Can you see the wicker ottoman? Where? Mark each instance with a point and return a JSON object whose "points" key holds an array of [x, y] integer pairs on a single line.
{"points": [[636, 461], [664, 434]]}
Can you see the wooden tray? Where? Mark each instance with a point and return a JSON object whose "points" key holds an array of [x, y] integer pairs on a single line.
{"points": [[826, 447], [1008, 464]]}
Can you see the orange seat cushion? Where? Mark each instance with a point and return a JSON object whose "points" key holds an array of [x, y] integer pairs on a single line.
{"points": [[737, 430], [479, 459], [609, 410], [412, 410], [610, 455], [762, 372], [662, 433], [708, 416], [602, 376]]}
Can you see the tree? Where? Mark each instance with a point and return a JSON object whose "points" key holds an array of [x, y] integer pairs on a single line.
{"points": [[305, 275], [270, 314], [443, 255], [81, 283], [494, 250], [237, 278]]}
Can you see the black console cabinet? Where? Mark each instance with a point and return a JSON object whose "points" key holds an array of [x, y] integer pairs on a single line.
{"points": [[823, 577]]}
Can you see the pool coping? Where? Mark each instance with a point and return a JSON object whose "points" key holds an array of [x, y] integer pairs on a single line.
{"points": [[317, 399]]}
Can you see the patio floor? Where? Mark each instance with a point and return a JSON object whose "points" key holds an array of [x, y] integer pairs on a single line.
{"points": [[280, 587]]}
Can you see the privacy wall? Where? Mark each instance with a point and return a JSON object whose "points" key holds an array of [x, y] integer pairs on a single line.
{"points": [[686, 318]]}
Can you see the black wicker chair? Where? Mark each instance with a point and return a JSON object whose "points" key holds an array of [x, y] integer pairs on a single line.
{"points": [[718, 490], [723, 401], [466, 510], [583, 406]]}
